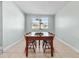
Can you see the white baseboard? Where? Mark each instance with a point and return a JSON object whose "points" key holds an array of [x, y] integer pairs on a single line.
{"points": [[11, 45], [67, 44]]}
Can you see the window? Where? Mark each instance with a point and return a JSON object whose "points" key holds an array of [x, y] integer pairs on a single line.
{"points": [[40, 23]]}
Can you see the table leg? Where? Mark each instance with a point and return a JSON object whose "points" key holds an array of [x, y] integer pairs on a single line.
{"points": [[26, 47], [52, 48], [39, 43]]}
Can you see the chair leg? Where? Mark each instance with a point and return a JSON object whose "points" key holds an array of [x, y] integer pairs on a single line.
{"points": [[44, 48], [33, 48], [35, 45], [43, 45]]}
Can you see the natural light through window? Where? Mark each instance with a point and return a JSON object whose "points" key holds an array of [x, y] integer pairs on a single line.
{"points": [[40, 23]]}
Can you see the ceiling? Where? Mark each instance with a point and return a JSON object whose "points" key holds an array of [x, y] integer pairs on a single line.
{"points": [[41, 7]]}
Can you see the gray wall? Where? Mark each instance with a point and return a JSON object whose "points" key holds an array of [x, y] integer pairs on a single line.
{"points": [[28, 24], [13, 24], [67, 24], [0, 26]]}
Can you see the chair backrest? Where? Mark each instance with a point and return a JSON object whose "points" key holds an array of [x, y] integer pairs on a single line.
{"points": [[51, 33]]}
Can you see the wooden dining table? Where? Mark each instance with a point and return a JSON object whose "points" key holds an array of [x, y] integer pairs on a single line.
{"points": [[39, 36]]}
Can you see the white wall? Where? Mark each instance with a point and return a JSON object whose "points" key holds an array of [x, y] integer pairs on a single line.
{"points": [[29, 22], [13, 23], [0, 26], [67, 24]]}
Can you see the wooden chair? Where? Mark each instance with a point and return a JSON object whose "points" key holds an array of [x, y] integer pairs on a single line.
{"points": [[47, 43], [31, 43]]}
